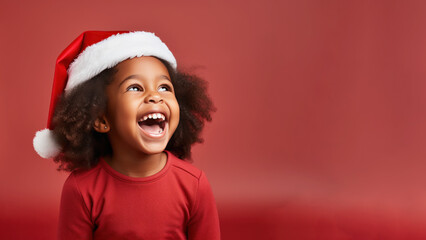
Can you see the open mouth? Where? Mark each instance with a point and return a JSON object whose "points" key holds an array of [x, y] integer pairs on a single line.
{"points": [[153, 123]]}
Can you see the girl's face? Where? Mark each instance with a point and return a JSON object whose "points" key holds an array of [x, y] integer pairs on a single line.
{"points": [[142, 112]]}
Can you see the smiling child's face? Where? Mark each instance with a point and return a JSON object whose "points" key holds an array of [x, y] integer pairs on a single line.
{"points": [[142, 112]]}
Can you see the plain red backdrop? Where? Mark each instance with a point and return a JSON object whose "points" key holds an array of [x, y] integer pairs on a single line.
{"points": [[320, 131]]}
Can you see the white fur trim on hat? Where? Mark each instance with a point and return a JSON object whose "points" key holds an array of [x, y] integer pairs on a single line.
{"points": [[45, 144], [113, 50]]}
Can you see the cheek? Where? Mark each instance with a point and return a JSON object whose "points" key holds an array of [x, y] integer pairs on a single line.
{"points": [[120, 112], [175, 115]]}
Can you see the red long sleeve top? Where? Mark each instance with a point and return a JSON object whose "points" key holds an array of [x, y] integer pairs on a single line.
{"points": [[175, 203]]}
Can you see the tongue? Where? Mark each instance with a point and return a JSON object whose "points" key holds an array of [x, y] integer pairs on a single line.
{"points": [[154, 129]]}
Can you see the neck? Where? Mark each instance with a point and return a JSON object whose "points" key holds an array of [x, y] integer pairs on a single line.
{"points": [[137, 165]]}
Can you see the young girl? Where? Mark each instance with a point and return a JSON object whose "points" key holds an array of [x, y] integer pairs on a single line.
{"points": [[121, 118]]}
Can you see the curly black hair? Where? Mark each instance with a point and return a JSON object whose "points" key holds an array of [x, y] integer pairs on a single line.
{"points": [[78, 109]]}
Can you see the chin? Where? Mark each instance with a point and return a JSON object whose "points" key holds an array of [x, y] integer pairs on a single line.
{"points": [[154, 148]]}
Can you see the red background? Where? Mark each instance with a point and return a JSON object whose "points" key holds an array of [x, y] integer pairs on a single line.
{"points": [[320, 131]]}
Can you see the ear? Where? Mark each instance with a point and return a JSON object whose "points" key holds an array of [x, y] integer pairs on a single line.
{"points": [[101, 125]]}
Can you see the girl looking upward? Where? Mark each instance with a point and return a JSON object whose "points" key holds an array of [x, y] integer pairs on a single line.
{"points": [[122, 116]]}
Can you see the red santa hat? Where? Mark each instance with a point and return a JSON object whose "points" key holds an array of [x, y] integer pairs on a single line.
{"points": [[88, 55]]}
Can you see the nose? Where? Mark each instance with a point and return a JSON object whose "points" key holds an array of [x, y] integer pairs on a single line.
{"points": [[153, 97]]}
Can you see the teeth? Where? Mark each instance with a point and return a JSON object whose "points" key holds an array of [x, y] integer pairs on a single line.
{"points": [[154, 116], [159, 115]]}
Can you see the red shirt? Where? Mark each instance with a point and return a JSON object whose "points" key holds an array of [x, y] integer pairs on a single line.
{"points": [[175, 203]]}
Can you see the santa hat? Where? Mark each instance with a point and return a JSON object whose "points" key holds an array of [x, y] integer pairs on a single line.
{"points": [[88, 55]]}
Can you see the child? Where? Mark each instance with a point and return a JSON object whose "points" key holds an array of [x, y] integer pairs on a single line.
{"points": [[121, 116]]}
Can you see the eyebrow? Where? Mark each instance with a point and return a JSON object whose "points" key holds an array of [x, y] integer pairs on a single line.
{"points": [[135, 76]]}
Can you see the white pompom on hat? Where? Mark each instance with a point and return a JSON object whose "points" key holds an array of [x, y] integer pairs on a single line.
{"points": [[88, 55]]}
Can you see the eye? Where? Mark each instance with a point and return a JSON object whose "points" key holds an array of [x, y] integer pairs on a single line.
{"points": [[164, 88], [134, 88]]}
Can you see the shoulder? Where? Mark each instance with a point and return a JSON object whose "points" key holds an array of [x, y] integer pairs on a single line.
{"points": [[185, 168], [194, 179], [81, 177], [86, 173]]}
